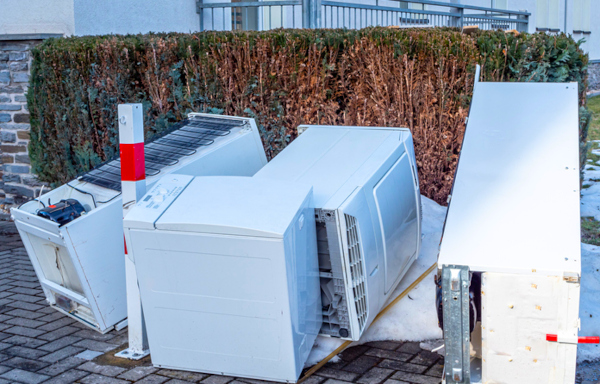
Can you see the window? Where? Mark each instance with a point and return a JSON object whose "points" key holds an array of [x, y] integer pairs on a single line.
{"points": [[547, 15], [581, 16], [413, 18], [499, 4]]}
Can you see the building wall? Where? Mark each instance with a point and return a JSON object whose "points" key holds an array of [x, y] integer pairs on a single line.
{"points": [[134, 16], [36, 16], [17, 182]]}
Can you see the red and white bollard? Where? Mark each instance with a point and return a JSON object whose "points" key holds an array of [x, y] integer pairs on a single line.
{"points": [[133, 187]]}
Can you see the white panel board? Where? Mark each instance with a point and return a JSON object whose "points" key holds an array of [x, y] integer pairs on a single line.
{"points": [[515, 200]]}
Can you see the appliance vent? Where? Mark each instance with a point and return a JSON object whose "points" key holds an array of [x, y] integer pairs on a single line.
{"points": [[356, 270], [182, 139]]}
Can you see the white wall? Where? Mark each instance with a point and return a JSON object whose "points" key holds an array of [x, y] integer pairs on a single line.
{"points": [[98, 17], [36, 16]]}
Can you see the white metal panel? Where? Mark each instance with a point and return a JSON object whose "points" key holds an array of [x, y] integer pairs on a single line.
{"points": [[94, 242], [518, 311], [220, 302], [340, 159], [213, 204], [345, 166], [515, 200]]}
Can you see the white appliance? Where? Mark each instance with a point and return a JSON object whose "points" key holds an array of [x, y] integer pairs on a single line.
{"points": [[367, 202], [511, 239], [80, 264], [228, 274]]}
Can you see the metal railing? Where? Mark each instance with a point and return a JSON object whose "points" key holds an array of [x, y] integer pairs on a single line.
{"points": [[268, 14]]}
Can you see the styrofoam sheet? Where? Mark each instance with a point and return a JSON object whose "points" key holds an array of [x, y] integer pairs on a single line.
{"points": [[515, 200]]}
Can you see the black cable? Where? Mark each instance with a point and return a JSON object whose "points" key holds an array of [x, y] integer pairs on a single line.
{"points": [[38, 200], [111, 199], [87, 193]]}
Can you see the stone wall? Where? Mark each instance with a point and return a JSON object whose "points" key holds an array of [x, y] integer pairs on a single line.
{"points": [[17, 183], [594, 77]]}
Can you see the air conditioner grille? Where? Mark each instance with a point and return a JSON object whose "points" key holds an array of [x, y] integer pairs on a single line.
{"points": [[356, 270]]}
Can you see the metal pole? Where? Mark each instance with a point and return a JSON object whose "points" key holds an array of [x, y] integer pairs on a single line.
{"points": [[200, 14], [133, 187]]}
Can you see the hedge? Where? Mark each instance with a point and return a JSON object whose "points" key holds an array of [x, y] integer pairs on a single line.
{"points": [[416, 78]]}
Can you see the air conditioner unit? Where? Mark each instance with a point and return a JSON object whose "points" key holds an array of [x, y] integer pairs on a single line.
{"points": [[228, 274], [77, 247], [509, 261], [367, 203]]}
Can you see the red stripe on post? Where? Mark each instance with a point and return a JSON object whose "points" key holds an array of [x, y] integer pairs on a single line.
{"points": [[589, 340], [551, 337], [132, 162]]}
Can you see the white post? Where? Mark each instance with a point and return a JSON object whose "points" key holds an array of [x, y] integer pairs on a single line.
{"points": [[133, 187]]}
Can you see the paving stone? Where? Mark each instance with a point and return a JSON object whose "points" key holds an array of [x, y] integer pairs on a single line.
{"points": [[314, 379], [61, 332], [153, 379], [26, 298], [25, 314], [392, 381], [60, 343], [386, 344], [337, 374], [183, 375], [4, 369], [361, 364], [177, 381], [24, 341], [217, 379], [28, 353], [93, 335], [25, 322], [353, 352], [335, 381], [4, 346], [23, 331], [411, 348], [27, 291], [61, 354], [62, 322], [99, 379], [48, 318], [67, 377], [94, 345], [61, 366], [385, 354], [436, 371], [105, 370], [88, 355], [25, 364], [414, 378], [425, 358], [24, 376], [136, 373], [23, 305], [375, 375], [401, 366]]}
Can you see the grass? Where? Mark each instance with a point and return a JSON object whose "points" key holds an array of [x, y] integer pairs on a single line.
{"points": [[590, 228], [590, 231], [593, 104]]}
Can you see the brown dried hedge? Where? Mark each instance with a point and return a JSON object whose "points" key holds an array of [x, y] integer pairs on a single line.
{"points": [[416, 78]]}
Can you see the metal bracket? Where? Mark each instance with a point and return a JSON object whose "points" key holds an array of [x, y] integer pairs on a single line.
{"points": [[455, 296]]}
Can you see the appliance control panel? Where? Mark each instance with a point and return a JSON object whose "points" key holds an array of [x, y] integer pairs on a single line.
{"points": [[156, 201]]}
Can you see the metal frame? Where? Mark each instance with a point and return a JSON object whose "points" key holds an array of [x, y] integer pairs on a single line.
{"points": [[455, 295], [339, 14]]}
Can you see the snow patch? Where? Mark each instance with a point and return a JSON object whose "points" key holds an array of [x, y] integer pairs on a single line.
{"points": [[589, 303]]}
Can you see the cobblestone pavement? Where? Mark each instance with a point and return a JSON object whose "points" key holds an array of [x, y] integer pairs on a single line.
{"points": [[39, 344]]}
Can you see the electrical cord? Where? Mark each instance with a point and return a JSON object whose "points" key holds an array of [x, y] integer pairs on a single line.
{"points": [[87, 193], [111, 199]]}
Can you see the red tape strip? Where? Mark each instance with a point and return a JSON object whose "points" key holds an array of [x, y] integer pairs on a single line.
{"points": [[580, 339], [132, 162]]}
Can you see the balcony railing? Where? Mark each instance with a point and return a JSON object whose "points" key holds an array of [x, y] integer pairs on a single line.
{"points": [[268, 14]]}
